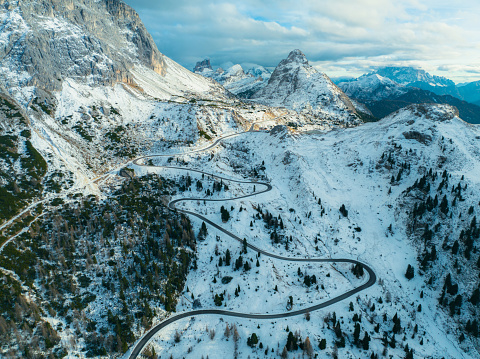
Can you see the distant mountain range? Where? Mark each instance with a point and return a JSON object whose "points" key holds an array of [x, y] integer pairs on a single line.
{"points": [[240, 82], [391, 88], [375, 95]]}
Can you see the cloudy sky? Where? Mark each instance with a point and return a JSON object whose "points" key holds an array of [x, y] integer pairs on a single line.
{"points": [[340, 37]]}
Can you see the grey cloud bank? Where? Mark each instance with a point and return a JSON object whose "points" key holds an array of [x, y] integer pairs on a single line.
{"points": [[341, 37]]}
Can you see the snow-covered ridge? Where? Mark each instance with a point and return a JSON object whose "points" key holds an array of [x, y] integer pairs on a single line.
{"points": [[312, 176], [407, 75], [372, 87]]}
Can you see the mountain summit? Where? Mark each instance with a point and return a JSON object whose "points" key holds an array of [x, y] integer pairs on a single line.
{"points": [[295, 56], [296, 85]]}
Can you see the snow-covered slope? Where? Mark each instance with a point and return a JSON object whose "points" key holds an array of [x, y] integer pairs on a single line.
{"points": [[372, 170], [84, 70], [372, 87], [298, 86], [83, 90]]}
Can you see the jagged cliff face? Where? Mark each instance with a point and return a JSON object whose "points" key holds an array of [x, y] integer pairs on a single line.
{"points": [[93, 41]]}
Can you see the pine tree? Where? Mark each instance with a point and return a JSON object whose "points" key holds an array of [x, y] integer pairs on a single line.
{"points": [[338, 330], [455, 247], [252, 341], [396, 325], [322, 344], [366, 341], [410, 273], [356, 334], [228, 257], [475, 298], [291, 342], [444, 205]]}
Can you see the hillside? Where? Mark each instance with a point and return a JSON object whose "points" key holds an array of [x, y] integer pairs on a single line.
{"points": [[133, 190], [374, 172]]}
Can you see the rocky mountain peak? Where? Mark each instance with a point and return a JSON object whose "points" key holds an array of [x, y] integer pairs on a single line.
{"points": [[296, 56], [93, 41], [296, 85], [202, 65]]}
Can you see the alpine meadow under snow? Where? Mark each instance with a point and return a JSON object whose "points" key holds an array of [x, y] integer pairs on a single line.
{"points": [[147, 211]]}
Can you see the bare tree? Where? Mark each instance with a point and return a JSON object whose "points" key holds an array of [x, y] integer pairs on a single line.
{"points": [[236, 336], [307, 347]]}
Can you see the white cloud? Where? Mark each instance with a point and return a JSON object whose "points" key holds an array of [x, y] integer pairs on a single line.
{"points": [[339, 35]]}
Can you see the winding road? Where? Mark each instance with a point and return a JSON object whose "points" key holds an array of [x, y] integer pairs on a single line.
{"points": [[138, 347]]}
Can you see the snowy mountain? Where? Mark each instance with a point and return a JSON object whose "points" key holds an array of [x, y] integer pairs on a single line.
{"points": [[372, 87], [84, 70], [202, 65], [409, 76], [383, 95], [83, 91], [296, 85], [45, 40], [91, 42], [235, 79]]}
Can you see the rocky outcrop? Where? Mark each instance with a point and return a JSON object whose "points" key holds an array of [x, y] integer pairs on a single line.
{"points": [[418, 136], [202, 65], [95, 41]]}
